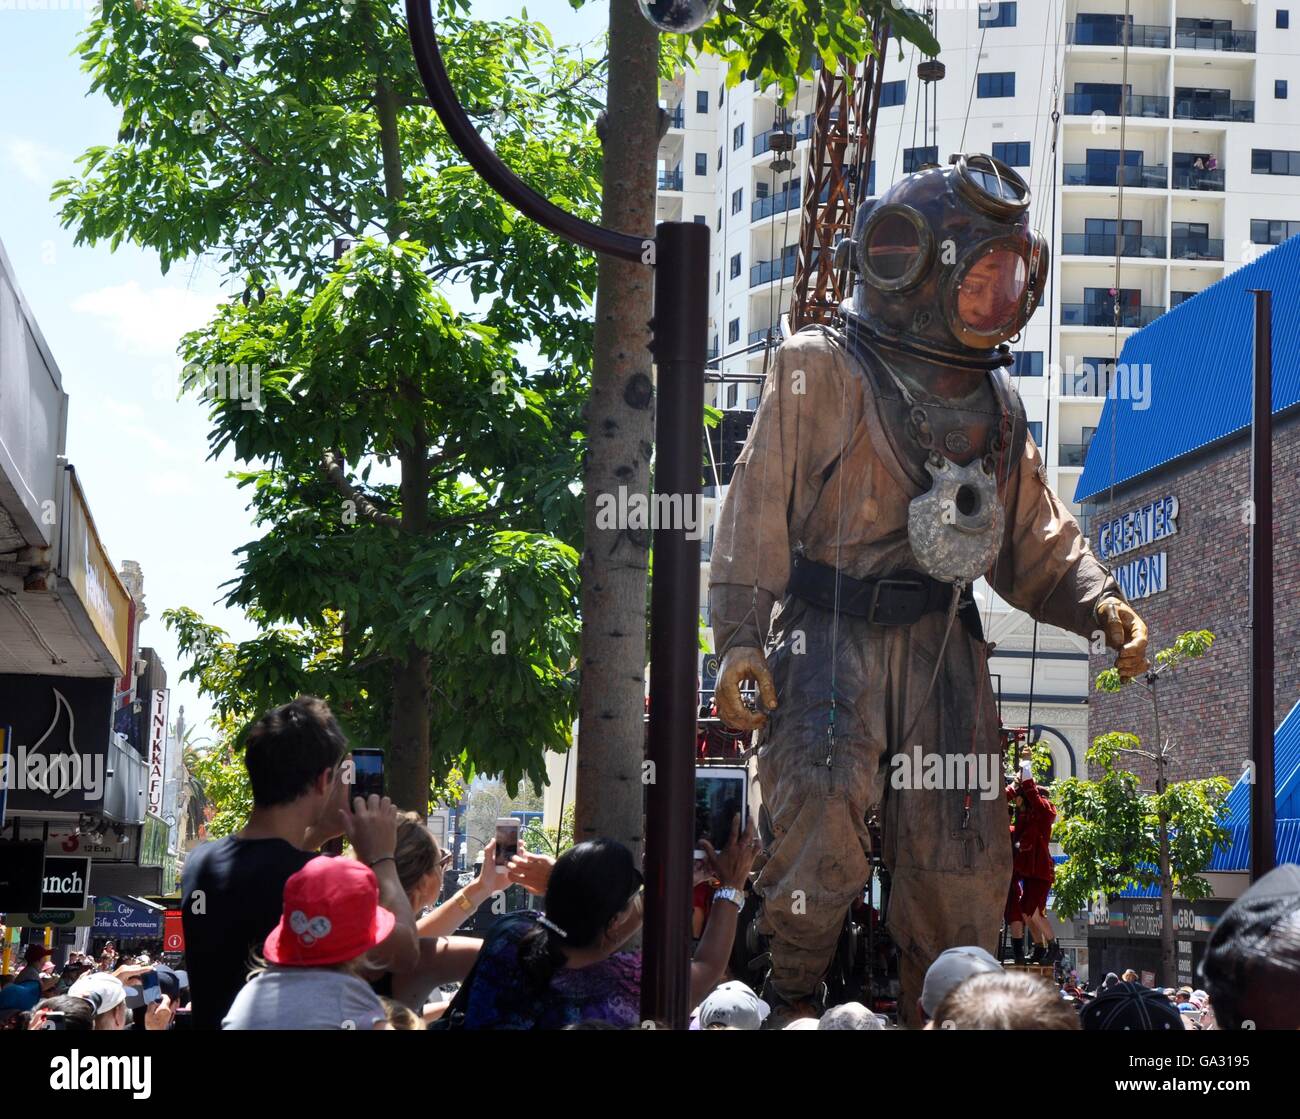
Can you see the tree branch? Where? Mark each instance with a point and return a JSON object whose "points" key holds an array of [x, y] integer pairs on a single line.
{"points": [[331, 463]]}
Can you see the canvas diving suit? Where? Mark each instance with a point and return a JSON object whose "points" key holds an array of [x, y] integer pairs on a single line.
{"points": [[894, 452]]}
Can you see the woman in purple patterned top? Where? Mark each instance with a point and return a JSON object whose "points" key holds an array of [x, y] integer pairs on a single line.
{"points": [[565, 967]]}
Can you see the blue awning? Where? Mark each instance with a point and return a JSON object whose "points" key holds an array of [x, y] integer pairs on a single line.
{"points": [[1200, 361]]}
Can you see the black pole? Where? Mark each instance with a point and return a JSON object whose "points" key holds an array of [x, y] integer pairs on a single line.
{"points": [[1262, 829], [428, 60], [680, 349]]}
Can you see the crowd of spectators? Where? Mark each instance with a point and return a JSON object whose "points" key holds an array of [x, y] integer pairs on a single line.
{"points": [[281, 937]]}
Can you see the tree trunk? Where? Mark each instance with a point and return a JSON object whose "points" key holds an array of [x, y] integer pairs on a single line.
{"points": [[620, 435], [408, 751]]}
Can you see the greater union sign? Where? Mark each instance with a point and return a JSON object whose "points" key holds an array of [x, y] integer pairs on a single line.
{"points": [[1142, 576]]}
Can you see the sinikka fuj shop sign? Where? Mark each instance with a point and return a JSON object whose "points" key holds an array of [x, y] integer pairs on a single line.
{"points": [[1142, 576]]}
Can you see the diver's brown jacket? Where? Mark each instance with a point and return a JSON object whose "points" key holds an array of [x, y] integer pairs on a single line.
{"points": [[818, 477]]}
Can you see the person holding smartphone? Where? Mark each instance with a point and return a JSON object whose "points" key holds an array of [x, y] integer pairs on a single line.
{"points": [[567, 965], [234, 887]]}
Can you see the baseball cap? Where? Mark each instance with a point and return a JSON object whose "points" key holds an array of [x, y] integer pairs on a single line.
{"points": [[953, 967], [733, 1004], [331, 914], [20, 996], [850, 1016], [102, 991], [1131, 1006]]}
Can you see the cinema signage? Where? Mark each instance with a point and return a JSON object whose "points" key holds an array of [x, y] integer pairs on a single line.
{"points": [[1142, 576]]}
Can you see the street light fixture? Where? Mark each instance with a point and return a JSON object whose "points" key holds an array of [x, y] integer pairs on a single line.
{"points": [[679, 254]]}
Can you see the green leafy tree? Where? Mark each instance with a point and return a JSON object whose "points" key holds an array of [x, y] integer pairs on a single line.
{"points": [[550, 841], [1117, 835], [413, 477]]}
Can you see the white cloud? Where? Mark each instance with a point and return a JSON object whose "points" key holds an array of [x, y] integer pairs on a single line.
{"points": [[32, 159], [148, 323]]}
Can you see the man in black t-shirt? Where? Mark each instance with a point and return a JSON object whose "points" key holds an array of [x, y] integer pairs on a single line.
{"points": [[233, 889]]}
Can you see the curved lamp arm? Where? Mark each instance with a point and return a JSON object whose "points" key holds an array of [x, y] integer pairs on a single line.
{"points": [[428, 59]]}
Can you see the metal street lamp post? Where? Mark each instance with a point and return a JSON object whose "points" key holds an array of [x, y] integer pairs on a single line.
{"points": [[679, 254]]}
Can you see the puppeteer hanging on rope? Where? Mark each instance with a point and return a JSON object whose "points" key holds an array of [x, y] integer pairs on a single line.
{"points": [[889, 466]]}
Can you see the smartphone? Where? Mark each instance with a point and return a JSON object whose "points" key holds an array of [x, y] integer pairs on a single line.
{"points": [[367, 774], [507, 839], [721, 792], [149, 987]]}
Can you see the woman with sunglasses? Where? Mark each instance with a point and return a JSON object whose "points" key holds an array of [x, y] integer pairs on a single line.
{"points": [[566, 966], [444, 958]]}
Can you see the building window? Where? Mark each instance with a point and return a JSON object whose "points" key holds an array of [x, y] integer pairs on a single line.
{"points": [[871, 179], [1036, 430], [722, 94], [1265, 231], [760, 189], [738, 137], [1283, 19], [719, 157], [1029, 363], [1271, 161], [701, 163], [1279, 89], [719, 219], [700, 219], [893, 93], [733, 331], [735, 266], [737, 200], [915, 158], [996, 85], [1013, 154], [1001, 14], [717, 281], [701, 100]]}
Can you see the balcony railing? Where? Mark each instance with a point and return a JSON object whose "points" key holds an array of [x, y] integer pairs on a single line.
{"points": [[787, 199], [1090, 174], [1230, 40], [1087, 379], [1188, 109], [1105, 244], [1102, 314], [670, 180], [765, 271], [1196, 248], [1112, 35], [1139, 104], [1072, 454], [756, 336], [802, 130], [1192, 178]]}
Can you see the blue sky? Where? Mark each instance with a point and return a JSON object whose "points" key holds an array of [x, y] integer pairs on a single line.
{"points": [[112, 321]]}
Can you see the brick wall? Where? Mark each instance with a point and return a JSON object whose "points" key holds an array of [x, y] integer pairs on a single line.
{"points": [[1204, 703]]}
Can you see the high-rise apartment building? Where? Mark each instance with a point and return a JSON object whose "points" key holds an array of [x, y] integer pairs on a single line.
{"points": [[1197, 113]]}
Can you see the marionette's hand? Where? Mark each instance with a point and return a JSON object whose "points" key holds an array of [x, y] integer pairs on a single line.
{"points": [[743, 664], [1126, 632]]}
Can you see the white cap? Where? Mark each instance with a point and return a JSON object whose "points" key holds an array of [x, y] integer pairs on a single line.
{"points": [[850, 1016], [952, 968], [103, 992], [802, 1024], [733, 1004]]}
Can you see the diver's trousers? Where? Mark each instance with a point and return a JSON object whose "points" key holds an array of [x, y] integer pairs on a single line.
{"points": [[823, 765]]}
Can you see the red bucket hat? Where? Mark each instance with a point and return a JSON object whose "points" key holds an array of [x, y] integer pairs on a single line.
{"points": [[331, 914]]}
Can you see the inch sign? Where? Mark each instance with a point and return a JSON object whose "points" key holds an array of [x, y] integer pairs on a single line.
{"points": [[66, 882]]}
